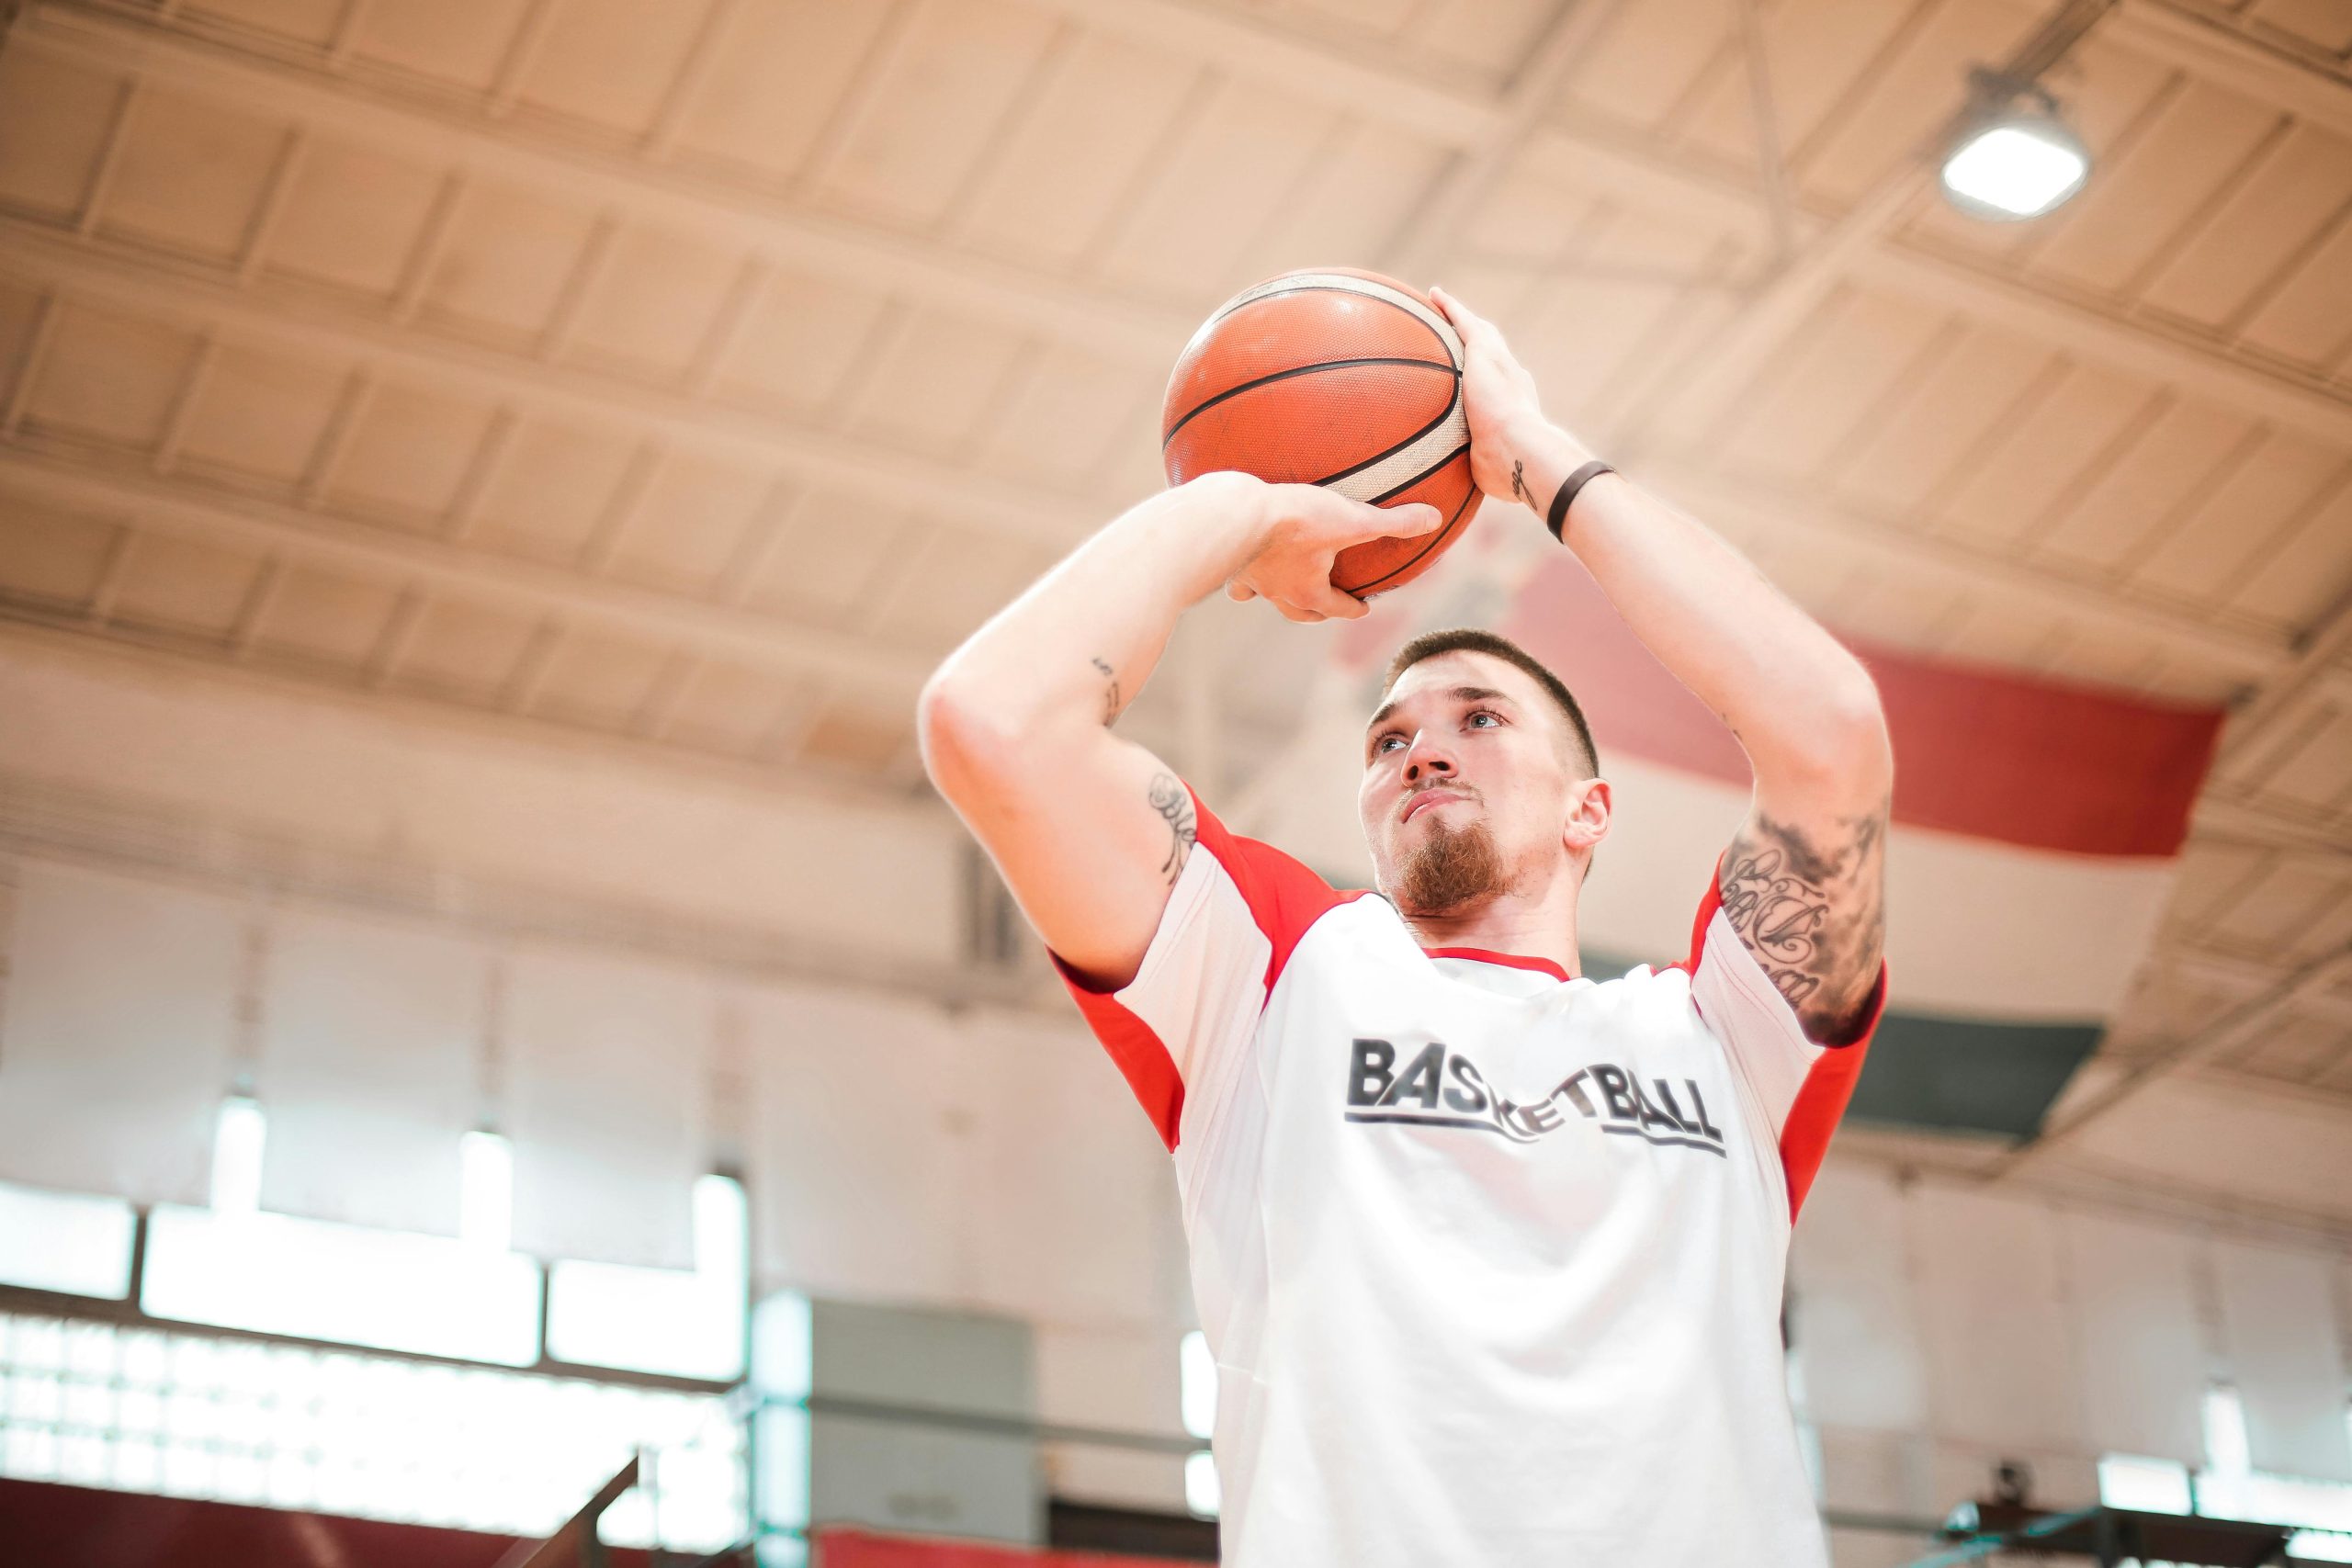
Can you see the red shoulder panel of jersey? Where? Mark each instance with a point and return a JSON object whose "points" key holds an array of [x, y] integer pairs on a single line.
{"points": [[1283, 897], [1828, 1083]]}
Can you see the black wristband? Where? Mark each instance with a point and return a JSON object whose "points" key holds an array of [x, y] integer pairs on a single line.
{"points": [[1558, 516]]}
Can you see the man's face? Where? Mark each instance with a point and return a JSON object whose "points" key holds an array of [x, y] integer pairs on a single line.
{"points": [[1470, 785]]}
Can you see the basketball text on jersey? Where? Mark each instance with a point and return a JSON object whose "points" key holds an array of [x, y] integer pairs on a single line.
{"points": [[1443, 1087]]}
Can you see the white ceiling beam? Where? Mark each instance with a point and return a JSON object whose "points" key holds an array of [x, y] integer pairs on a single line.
{"points": [[1767, 507], [2216, 52], [2280, 396], [1070, 310], [2315, 666], [1310, 70], [306, 328], [2203, 1046], [270, 529]]}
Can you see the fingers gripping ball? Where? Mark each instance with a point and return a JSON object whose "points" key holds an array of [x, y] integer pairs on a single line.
{"points": [[1336, 378]]}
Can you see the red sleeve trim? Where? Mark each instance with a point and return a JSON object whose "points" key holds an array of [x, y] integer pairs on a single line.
{"points": [[1821, 1102], [1285, 898], [1142, 1057]]}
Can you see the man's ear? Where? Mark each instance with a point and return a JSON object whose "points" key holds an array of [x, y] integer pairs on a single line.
{"points": [[1589, 810]]}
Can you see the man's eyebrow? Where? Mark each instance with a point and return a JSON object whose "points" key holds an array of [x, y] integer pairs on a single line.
{"points": [[1462, 694]]}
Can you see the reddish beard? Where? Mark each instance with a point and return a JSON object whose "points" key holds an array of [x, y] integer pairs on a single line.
{"points": [[1450, 868]]}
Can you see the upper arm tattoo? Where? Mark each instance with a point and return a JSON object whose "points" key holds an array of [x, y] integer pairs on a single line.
{"points": [[1812, 906], [1174, 802]]}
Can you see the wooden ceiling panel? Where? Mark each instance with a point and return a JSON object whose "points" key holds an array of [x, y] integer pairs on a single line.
{"points": [[859, 734], [934, 381], [2307, 318], [2298, 195], [1579, 330], [597, 678], [1085, 140], [1992, 632], [551, 489], [260, 416], [2317, 776], [2305, 572], [53, 558], [55, 118], [2295, 1049], [22, 312], [407, 454], [1647, 59], [1902, 612], [2141, 488], [190, 174], [1059, 426], [111, 378], [304, 21], [2324, 24], [318, 617], [350, 218], [803, 339], [2143, 203], [729, 707], [782, 78], [1490, 36], [1836, 374], [2025, 479], [611, 62], [504, 265], [952, 581], [931, 105], [2213, 876], [2222, 539], [1381, 18], [689, 522], [1238, 162], [461, 43], [2327, 928], [1814, 51], [2272, 912], [1912, 87], [652, 303], [2102, 657], [1364, 191], [465, 650], [835, 553], [1533, 222], [176, 584], [1930, 437]]}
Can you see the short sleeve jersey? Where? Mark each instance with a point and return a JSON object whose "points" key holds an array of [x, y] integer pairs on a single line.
{"points": [[1489, 1257]]}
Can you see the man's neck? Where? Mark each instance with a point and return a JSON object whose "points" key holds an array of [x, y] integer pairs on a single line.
{"points": [[1526, 926]]}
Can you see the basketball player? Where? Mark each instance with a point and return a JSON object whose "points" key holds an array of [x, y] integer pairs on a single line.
{"points": [[1489, 1254]]}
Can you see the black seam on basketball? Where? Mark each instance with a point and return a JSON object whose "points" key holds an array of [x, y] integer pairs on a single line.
{"points": [[1389, 495], [1435, 539], [1335, 288], [1287, 375], [1443, 414]]}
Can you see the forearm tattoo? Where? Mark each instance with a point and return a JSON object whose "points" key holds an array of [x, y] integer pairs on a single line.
{"points": [[1812, 907], [1111, 691], [1174, 802]]}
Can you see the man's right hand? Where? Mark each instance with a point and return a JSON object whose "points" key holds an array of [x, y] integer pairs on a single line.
{"points": [[1298, 531]]}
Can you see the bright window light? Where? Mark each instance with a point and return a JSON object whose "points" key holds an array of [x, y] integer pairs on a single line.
{"points": [[2150, 1485], [239, 1133], [2020, 168], [64, 1241], [2232, 1488], [370, 1436], [486, 1191], [661, 1320], [277, 1274], [2225, 1443], [1197, 1384], [1201, 1494]]}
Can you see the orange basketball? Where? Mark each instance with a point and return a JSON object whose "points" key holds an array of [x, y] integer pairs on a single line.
{"points": [[1334, 377]]}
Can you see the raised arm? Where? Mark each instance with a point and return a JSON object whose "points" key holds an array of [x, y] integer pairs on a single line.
{"points": [[1804, 881], [1089, 829]]}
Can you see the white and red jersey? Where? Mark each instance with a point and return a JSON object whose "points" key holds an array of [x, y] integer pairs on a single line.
{"points": [[1489, 1259]]}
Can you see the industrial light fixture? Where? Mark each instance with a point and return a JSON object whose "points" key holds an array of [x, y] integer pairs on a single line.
{"points": [[2017, 159]]}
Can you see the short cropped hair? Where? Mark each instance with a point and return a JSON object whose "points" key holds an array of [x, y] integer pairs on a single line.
{"points": [[1470, 639]]}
